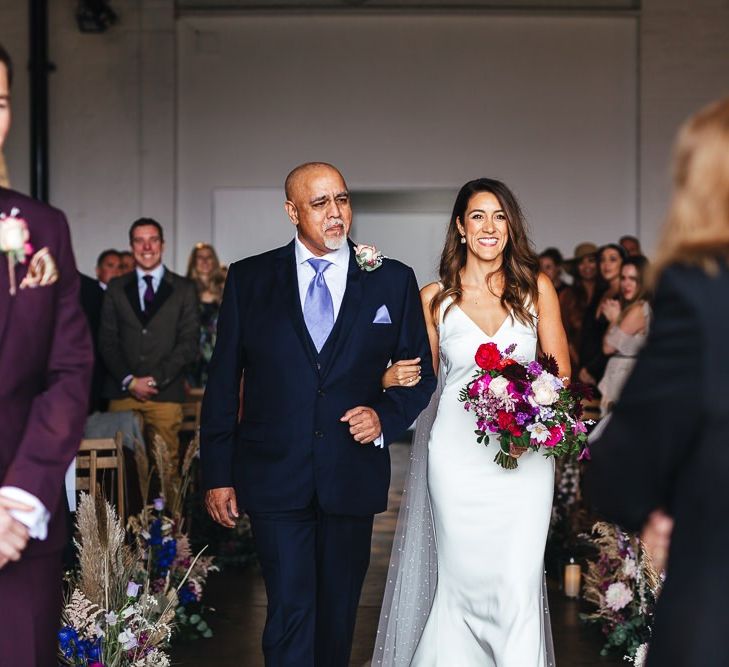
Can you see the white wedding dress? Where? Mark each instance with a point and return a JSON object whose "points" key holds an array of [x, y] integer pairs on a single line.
{"points": [[489, 528]]}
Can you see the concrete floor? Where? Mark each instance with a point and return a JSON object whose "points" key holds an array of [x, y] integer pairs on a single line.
{"points": [[239, 599]]}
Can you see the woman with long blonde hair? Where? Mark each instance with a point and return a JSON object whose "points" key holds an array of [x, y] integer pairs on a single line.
{"points": [[204, 269], [663, 459]]}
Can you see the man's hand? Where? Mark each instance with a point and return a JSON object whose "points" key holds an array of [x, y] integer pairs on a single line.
{"points": [[222, 506], [364, 424], [13, 534], [143, 388], [656, 537]]}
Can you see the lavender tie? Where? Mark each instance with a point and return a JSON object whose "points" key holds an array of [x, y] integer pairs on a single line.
{"points": [[318, 305], [148, 293]]}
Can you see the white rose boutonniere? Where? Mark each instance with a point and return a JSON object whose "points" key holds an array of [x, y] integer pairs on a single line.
{"points": [[368, 257], [14, 242]]}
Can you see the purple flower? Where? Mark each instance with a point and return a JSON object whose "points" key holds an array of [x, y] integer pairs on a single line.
{"points": [[133, 589], [579, 427], [159, 504], [584, 455], [535, 368], [521, 418]]}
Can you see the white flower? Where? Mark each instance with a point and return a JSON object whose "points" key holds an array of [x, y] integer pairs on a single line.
{"points": [[127, 640], [545, 392], [368, 257], [98, 631], [13, 233], [129, 611], [539, 432], [111, 618], [133, 589], [617, 596], [630, 569], [499, 386], [641, 653]]}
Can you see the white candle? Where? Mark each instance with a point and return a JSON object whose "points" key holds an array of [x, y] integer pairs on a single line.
{"points": [[572, 576]]}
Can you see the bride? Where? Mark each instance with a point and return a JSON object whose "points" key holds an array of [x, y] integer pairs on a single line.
{"points": [[477, 599]]}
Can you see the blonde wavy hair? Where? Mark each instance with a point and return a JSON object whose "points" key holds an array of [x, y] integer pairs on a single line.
{"points": [[697, 227], [215, 282]]}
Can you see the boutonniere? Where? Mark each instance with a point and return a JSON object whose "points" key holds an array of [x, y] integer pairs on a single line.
{"points": [[14, 242], [368, 257]]}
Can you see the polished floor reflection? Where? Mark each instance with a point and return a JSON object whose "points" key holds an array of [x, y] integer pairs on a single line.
{"points": [[239, 599]]}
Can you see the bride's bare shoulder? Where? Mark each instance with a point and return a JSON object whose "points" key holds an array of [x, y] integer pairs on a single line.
{"points": [[428, 293]]}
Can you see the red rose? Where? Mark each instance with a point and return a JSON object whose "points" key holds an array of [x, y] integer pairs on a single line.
{"points": [[488, 356], [507, 362], [506, 420]]}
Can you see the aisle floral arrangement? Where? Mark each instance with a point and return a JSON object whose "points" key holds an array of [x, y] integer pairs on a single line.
{"points": [[528, 406], [623, 585], [133, 591]]}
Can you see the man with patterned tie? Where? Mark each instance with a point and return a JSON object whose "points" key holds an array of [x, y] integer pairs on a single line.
{"points": [[148, 335], [313, 333]]}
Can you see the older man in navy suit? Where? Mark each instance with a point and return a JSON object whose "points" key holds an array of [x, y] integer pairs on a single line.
{"points": [[313, 330], [45, 362]]}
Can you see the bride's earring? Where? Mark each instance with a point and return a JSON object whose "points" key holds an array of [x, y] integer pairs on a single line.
{"points": [[463, 239]]}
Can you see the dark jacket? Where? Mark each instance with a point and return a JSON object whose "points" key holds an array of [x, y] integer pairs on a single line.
{"points": [[160, 343], [92, 297], [667, 446], [291, 445], [45, 363]]}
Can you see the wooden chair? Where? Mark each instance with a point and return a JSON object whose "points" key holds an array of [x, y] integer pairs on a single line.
{"points": [[95, 456], [191, 417]]}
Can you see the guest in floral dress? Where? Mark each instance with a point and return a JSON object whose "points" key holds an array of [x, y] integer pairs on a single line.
{"points": [[205, 270]]}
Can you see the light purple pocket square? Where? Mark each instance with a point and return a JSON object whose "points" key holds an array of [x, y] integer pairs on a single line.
{"points": [[382, 316]]}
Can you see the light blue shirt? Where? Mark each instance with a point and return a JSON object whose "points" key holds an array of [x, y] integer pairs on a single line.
{"points": [[335, 275], [336, 279], [142, 285]]}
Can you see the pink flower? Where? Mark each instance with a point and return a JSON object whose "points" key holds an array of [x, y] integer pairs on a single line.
{"points": [[579, 427], [556, 433], [584, 455]]}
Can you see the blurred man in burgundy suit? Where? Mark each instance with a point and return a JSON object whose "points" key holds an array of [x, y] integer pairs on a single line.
{"points": [[45, 365]]}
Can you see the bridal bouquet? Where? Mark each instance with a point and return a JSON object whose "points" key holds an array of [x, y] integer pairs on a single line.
{"points": [[526, 406]]}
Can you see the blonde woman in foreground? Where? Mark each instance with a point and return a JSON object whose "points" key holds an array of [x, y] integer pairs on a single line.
{"points": [[664, 456]]}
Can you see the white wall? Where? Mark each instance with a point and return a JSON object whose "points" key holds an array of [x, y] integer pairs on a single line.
{"points": [[115, 103], [547, 104]]}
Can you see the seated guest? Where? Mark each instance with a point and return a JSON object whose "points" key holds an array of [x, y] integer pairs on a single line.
{"points": [[108, 266], [126, 262], [148, 336], [575, 299], [631, 245], [629, 318], [663, 453], [203, 268], [550, 262]]}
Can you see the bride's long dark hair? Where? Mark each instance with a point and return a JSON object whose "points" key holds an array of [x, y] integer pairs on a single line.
{"points": [[520, 265]]}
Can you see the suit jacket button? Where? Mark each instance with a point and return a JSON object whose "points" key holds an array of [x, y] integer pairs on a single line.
{"points": [[320, 392], [318, 434], [144, 332]]}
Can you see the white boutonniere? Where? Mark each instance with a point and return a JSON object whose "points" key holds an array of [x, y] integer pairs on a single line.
{"points": [[368, 257], [14, 242]]}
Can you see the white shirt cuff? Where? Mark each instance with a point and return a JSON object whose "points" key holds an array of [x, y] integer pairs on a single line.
{"points": [[379, 441], [36, 520]]}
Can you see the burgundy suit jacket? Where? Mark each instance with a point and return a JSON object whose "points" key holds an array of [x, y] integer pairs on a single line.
{"points": [[46, 360]]}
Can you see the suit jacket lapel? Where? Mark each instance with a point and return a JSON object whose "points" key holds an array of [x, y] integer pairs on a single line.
{"points": [[289, 289], [350, 307], [164, 291], [5, 298], [132, 291]]}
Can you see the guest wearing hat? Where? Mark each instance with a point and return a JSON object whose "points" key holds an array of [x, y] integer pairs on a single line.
{"points": [[576, 298]]}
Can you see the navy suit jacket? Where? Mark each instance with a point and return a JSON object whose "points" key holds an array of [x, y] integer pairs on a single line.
{"points": [[290, 446]]}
